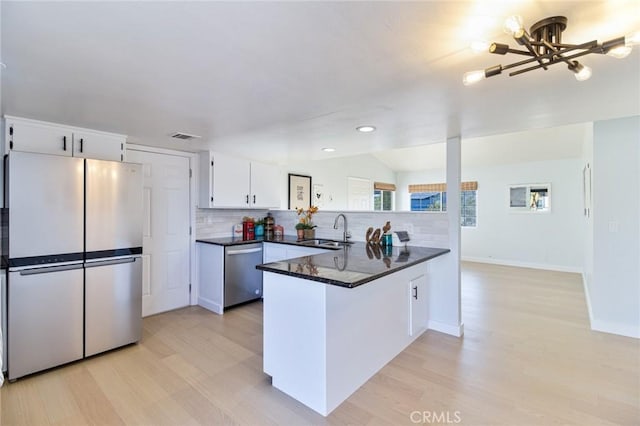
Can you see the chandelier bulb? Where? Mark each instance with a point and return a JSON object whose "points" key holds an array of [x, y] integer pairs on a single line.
{"points": [[582, 72], [632, 39], [513, 25], [620, 52], [472, 77], [478, 46]]}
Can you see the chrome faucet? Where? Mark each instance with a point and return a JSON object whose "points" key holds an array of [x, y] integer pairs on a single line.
{"points": [[346, 234]]}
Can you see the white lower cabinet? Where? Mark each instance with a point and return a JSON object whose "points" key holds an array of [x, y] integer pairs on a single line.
{"points": [[418, 305], [275, 252], [210, 276]]}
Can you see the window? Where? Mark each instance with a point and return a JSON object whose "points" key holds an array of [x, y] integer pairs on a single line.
{"points": [[468, 208], [530, 197], [383, 196], [382, 200], [433, 198], [428, 201]]}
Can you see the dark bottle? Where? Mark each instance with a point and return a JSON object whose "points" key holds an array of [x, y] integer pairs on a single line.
{"points": [[269, 224]]}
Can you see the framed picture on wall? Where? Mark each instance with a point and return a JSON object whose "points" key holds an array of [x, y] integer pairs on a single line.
{"points": [[299, 191]]}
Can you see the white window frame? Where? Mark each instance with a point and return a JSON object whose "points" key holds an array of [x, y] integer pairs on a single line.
{"points": [[523, 205]]}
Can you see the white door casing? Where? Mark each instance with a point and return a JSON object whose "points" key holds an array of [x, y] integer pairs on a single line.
{"points": [[166, 239]]}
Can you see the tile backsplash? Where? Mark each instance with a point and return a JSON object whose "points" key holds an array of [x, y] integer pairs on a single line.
{"points": [[425, 229]]}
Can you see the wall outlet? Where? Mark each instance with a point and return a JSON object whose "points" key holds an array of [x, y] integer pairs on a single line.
{"points": [[614, 226]]}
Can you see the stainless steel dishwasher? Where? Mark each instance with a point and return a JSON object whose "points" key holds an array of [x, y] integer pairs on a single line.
{"points": [[242, 281]]}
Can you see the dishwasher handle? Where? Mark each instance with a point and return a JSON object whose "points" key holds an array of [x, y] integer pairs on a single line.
{"points": [[244, 251]]}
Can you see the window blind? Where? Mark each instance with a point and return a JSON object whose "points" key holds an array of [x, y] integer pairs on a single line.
{"points": [[441, 187]]}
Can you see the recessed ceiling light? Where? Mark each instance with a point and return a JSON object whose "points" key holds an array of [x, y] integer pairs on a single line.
{"points": [[328, 149], [365, 129]]}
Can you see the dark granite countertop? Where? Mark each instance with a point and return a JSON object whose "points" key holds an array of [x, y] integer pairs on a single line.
{"points": [[354, 265]]}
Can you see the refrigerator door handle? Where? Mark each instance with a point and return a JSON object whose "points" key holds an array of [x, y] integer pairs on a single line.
{"points": [[93, 264], [48, 269]]}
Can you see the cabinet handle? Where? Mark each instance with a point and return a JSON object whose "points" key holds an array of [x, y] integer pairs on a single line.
{"points": [[254, 199], [247, 198], [81, 142], [64, 143], [415, 292]]}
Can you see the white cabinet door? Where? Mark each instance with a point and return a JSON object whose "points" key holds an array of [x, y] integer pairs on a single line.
{"points": [[98, 145], [205, 180], [31, 136], [297, 251], [418, 305], [49, 138], [273, 252], [265, 188], [230, 181]]}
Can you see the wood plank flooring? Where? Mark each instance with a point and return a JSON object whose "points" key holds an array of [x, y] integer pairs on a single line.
{"points": [[527, 357]]}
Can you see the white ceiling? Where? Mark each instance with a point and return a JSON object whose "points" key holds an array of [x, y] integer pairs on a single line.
{"points": [[280, 80]]}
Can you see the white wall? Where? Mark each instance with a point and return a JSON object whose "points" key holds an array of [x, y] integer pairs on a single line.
{"points": [[614, 292], [332, 175], [553, 240]]}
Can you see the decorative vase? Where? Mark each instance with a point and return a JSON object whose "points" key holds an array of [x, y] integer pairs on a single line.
{"points": [[309, 234], [300, 233]]}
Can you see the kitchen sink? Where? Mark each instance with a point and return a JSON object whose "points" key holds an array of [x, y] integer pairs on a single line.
{"points": [[321, 242]]}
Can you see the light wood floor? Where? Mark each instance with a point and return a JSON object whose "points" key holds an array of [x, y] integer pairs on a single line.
{"points": [[527, 357]]}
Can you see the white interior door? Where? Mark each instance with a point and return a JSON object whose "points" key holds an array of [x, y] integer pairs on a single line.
{"points": [[165, 246], [359, 193]]}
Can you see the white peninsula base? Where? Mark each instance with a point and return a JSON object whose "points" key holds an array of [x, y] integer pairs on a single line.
{"points": [[322, 341]]}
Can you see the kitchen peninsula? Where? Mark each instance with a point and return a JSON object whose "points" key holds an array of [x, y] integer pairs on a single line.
{"points": [[332, 320]]}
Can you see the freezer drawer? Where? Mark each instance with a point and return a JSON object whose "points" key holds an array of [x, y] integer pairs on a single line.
{"points": [[44, 318], [113, 304]]}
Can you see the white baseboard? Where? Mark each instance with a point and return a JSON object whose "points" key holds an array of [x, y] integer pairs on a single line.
{"points": [[615, 328], [453, 330], [504, 262], [210, 305]]}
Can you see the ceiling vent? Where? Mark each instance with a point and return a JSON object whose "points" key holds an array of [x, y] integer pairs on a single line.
{"points": [[184, 136]]}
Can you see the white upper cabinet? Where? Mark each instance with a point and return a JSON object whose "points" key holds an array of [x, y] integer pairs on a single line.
{"points": [[48, 138], [98, 145], [232, 182], [265, 179]]}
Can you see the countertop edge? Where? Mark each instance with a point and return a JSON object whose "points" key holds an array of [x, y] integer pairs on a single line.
{"points": [[356, 283]]}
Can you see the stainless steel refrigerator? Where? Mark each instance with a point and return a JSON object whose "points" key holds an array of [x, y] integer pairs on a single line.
{"points": [[73, 252]]}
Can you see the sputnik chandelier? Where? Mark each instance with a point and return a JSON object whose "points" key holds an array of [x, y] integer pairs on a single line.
{"points": [[545, 48]]}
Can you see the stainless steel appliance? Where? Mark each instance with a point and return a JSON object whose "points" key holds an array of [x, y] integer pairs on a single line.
{"points": [[74, 266], [242, 281], [113, 266]]}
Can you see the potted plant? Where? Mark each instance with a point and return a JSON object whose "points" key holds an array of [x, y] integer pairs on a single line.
{"points": [[300, 227], [305, 226]]}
